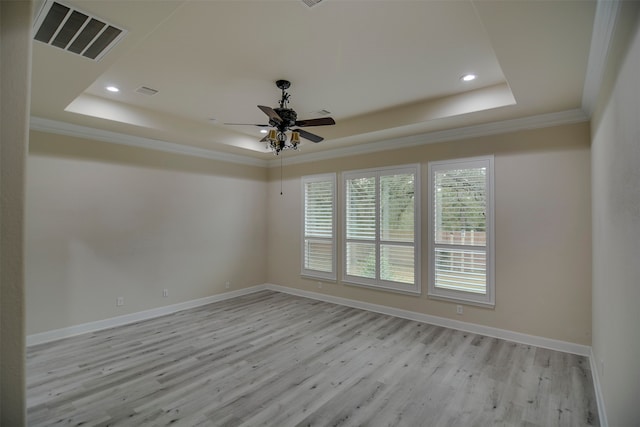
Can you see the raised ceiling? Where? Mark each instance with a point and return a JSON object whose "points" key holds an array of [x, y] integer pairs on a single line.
{"points": [[383, 69]]}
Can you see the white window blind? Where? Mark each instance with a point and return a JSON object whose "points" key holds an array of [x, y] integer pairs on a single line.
{"points": [[381, 231], [461, 230], [318, 246]]}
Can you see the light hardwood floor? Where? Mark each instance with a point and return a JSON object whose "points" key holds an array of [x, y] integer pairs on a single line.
{"points": [[279, 360]]}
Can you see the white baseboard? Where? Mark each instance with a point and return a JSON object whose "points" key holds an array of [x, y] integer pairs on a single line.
{"points": [[97, 325], [537, 341], [567, 347], [552, 344], [598, 390]]}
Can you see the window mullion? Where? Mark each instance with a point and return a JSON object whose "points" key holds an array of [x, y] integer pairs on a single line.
{"points": [[454, 247], [406, 244]]}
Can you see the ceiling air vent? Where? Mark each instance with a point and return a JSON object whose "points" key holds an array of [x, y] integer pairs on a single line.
{"points": [[311, 3], [146, 90], [75, 31]]}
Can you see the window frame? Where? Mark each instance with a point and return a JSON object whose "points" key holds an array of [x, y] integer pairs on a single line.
{"points": [[487, 299], [310, 273], [377, 282]]}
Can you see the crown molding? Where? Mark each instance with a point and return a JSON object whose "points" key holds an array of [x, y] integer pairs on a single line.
{"points": [[62, 128], [495, 128], [604, 23]]}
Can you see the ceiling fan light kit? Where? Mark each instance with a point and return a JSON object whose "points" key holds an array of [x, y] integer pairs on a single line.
{"points": [[277, 141], [283, 119]]}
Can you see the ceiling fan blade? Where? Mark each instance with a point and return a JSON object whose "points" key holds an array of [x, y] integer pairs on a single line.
{"points": [[271, 113], [322, 121], [308, 135], [247, 124]]}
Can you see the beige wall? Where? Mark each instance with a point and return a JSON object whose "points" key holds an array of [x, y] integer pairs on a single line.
{"points": [[15, 75], [616, 226], [543, 230], [107, 221]]}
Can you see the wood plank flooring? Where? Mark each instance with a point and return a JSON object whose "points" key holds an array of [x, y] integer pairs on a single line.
{"points": [[279, 360]]}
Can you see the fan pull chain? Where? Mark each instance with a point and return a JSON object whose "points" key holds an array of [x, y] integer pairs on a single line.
{"points": [[281, 175]]}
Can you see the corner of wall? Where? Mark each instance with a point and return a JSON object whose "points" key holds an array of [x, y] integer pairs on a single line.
{"points": [[15, 80]]}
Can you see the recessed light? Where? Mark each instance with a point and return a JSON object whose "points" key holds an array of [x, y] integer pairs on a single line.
{"points": [[468, 77], [112, 89], [263, 131]]}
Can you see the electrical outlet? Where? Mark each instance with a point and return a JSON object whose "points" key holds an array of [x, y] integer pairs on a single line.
{"points": [[119, 301], [165, 293], [227, 284], [459, 309]]}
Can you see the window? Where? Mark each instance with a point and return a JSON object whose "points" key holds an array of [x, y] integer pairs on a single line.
{"points": [[382, 218], [461, 230], [318, 246]]}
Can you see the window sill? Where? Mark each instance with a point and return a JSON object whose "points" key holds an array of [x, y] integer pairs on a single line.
{"points": [[381, 287], [319, 278], [463, 300]]}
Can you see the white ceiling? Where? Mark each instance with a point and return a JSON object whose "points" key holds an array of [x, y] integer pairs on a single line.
{"points": [[384, 69]]}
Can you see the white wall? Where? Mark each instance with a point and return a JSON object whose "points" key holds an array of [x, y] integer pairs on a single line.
{"points": [[616, 227], [107, 221]]}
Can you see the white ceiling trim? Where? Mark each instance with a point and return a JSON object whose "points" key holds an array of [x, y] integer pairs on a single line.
{"points": [[604, 23], [68, 129], [532, 122], [505, 126]]}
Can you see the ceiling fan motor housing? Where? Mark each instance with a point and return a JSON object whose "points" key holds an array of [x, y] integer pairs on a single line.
{"points": [[288, 117]]}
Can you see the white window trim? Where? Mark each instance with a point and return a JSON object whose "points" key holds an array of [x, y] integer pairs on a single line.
{"points": [[487, 300], [415, 288], [309, 273]]}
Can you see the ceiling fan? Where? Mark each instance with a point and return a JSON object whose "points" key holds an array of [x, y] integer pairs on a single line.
{"points": [[283, 120]]}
